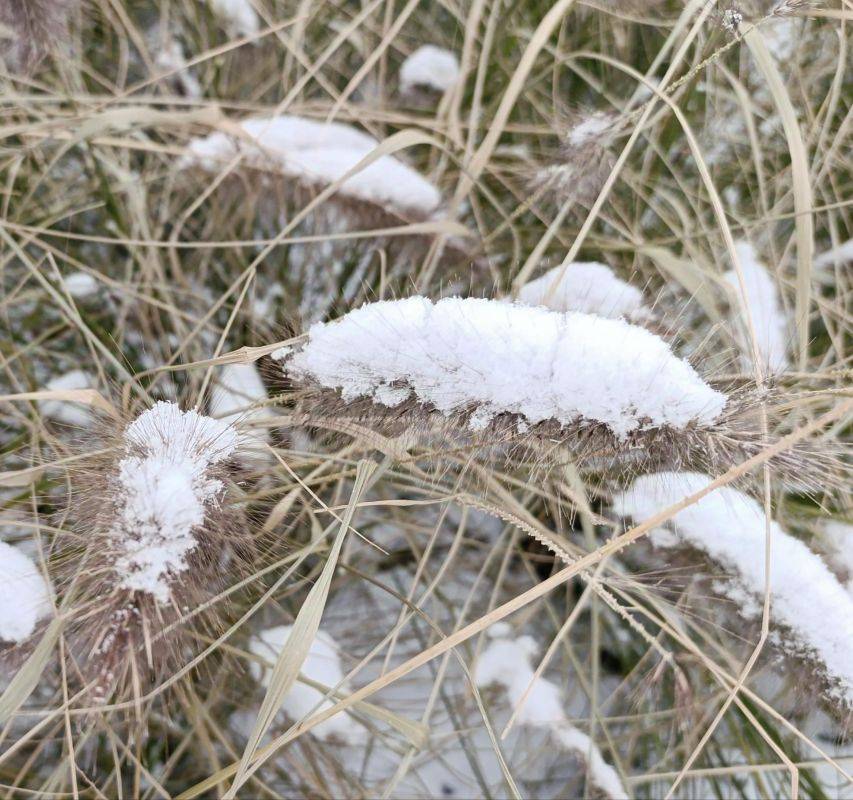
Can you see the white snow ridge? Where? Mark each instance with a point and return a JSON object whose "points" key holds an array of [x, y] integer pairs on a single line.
{"points": [[164, 493], [731, 528], [320, 153], [494, 357]]}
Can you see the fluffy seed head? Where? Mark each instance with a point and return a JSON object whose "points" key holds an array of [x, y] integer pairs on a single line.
{"points": [[164, 487], [585, 159], [30, 29], [490, 358]]}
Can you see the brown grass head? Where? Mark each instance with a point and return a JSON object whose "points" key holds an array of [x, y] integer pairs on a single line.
{"points": [[125, 637], [34, 28]]}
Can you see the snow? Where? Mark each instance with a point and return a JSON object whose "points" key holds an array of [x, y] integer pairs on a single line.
{"points": [[171, 58], [508, 662], [239, 16], [164, 493], [80, 285], [730, 527], [588, 287], [841, 254], [24, 595], [430, 66], [322, 665], [67, 411], [781, 35], [238, 387], [590, 128], [768, 317], [837, 539], [320, 153], [494, 357]]}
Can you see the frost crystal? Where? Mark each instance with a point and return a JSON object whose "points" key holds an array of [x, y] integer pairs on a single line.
{"points": [[767, 315], [507, 662], [430, 66], [24, 595], [494, 357], [588, 287], [732, 19], [731, 528], [320, 153], [164, 490], [322, 665]]}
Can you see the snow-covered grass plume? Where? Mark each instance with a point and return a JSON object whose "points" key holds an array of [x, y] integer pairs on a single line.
{"points": [[507, 661], [491, 358], [730, 527], [323, 666], [430, 67], [165, 489], [588, 287], [24, 595], [318, 154]]}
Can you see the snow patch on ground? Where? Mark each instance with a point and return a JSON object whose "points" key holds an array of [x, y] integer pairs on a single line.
{"points": [[508, 662], [768, 317], [322, 665]]}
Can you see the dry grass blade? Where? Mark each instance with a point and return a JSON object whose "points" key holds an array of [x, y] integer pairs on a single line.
{"points": [[30, 672], [304, 630], [801, 185]]}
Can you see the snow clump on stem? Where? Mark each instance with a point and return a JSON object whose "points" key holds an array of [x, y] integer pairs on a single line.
{"points": [[731, 528]]}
